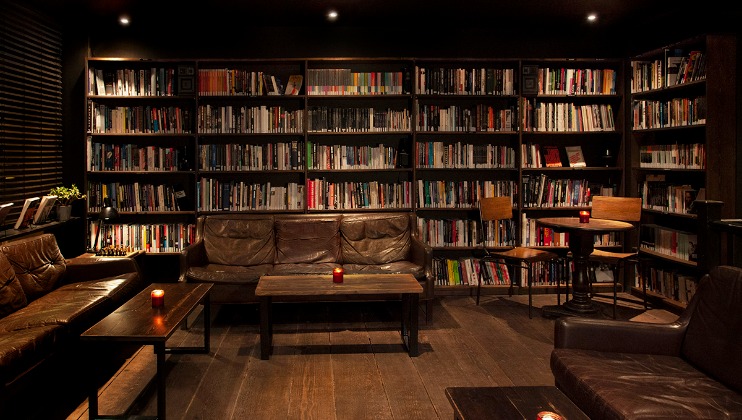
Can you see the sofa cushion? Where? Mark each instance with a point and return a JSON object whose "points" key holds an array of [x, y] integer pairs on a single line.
{"points": [[239, 241], [307, 239], [713, 341], [21, 350], [640, 386], [397, 267], [227, 274], [37, 263], [12, 297], [303, 268], [375, 238]]}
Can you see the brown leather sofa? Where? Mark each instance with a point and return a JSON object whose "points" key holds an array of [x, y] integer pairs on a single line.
{"points": [[47, 301], [232, 251], [691, 368]]}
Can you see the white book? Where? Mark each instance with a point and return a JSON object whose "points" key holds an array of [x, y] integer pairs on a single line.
{"points": [[27, 212], [45, 207]]}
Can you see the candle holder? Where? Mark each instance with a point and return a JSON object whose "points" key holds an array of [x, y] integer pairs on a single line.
{"points": [[584, 216], [337, 275], [158, 298]]}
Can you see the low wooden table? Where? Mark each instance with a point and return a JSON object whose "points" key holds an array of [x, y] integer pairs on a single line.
{"points": [[137, 322], [514, 402], [353, 284]]}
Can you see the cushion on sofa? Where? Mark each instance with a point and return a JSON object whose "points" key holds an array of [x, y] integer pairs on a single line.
{"points": [[307, 240], [239, 241], [12, 297], [228, 274], [21, 350], [37, 263], [303, 268], [713, 341], [375, 238], [397, 267]]}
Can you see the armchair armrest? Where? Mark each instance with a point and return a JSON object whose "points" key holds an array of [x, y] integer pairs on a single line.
{"points": [[194, 255], [95, 268], [610, 335]]}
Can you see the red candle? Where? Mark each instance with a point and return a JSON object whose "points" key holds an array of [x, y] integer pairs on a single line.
{"points": [[584, 216], [337, 275], [158, 298], [548, 415]]}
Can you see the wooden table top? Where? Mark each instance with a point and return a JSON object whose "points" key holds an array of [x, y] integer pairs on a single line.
{"points": [[137, 321], [322, 285], [594, 225]]}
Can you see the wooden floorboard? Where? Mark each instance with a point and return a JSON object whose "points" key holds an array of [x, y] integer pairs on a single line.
{"points": [[347, 360]]}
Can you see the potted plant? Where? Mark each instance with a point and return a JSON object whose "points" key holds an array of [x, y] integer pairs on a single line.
{"points": [[65, 197]]}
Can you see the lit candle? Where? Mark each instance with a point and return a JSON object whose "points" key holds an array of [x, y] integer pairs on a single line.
{"points": [[158, 298], [548, 415], [337, 275], [584, 216]]}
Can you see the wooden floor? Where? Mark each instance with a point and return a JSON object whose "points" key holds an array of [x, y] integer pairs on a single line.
{"points": [[344, 361]]}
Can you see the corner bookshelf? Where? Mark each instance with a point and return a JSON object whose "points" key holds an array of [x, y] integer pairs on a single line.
{"points": [[682, 148]]}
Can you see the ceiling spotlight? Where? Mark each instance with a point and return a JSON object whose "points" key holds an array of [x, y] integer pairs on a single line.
{"points": [[592, 17], [124, 20], [332, 15]]}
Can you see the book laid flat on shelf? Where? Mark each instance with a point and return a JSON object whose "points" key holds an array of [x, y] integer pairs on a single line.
{"points": [[551, 156], [27, 212], [293, 86], [575, 157], [45, 207], [4, 210]]}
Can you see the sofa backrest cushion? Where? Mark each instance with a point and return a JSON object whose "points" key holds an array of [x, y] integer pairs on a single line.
{"points": [[307, 239], [375, 238], [239, 241], [713, 340], [37, 262], [12, 297]]}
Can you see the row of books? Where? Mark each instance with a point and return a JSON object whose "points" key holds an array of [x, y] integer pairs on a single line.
{"points": [[35, 211], [461, 194], [673, 156], [133, 82], [533, 234], [136, 196], [669, 283], [347, 82], [133, 157], [228, 195], [354, 120], [567, 117], [350, 156], [671, 242], [459, 81], [676, 112], [328, 195], [466, 232], [571, 81], [139, 119], [535, 155], [454, 155], [242, 82], [468, 271], [675, 68], [245, 120], [543, 191], [150, 237], [251, 157], [658, 194], [482, 118]]}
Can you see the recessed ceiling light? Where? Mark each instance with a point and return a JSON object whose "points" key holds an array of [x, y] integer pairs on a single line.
{"points": [[124, 20], [332, 15], [592, 17]]}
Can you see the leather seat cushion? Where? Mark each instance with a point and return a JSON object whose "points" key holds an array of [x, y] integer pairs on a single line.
{"points": [[239, 241], [375, 239], [397, 267], [303, 268], [640, 386], [21, 350], [37, 263], [12, 296], [307, 240], [227, 274]]}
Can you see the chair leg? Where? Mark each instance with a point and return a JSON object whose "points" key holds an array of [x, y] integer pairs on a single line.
{"points": [[530, 296]]}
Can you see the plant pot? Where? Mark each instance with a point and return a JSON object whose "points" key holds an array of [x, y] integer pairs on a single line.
{"points": [[64, 213]]}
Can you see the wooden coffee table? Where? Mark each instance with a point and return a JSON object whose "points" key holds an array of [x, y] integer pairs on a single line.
{"points": [[514, 402], [317, 286], [137, 322]]}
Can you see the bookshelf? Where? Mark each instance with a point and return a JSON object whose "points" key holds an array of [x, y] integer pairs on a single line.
{"points": [[682, 148], [427, 135]]}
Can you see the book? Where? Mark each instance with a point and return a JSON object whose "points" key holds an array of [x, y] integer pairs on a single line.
{"points": [[27, 212], [293, 86], [551, 156], [4, 210], [575, 157], [45, 207]]}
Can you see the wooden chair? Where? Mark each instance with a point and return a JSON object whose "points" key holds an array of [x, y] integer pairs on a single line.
{"points": [[625, 209], [501, 208]]}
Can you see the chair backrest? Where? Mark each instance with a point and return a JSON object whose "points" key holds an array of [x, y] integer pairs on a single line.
{"points": [[495, 208], [625, 209]]}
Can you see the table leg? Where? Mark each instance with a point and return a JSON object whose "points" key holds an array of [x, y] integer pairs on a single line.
{"points": [[581, 244], [414, 309], [266, 328], [160, 379], [93, 399], [207, 323]]}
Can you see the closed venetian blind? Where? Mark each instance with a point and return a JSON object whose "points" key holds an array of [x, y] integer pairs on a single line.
{"points": [[30, 106]]}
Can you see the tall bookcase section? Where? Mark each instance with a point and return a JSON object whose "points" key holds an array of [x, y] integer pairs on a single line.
{"points": [[140, 149], [683, 148], [359, 135], [571, 147], [251, 146], [466, 142]]}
